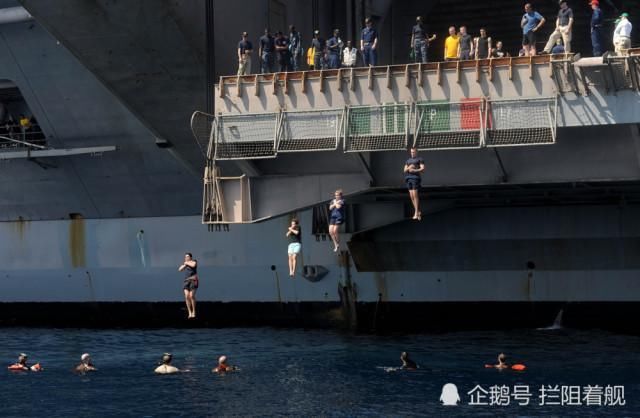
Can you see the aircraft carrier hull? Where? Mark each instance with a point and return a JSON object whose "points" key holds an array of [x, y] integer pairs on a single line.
{"points": [[503, 267]]}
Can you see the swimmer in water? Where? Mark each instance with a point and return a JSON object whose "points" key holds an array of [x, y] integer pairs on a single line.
{"points": [[85, 364], [502, 362], [22, 365], [407, 363], [166, 367], [223, 367]]}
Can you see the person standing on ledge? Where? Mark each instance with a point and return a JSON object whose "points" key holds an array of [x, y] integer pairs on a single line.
{"points": [[337, 218], [293, 233], [245, 48], [596, 28], [420, 41], [369, 44], [413, 168], [530, 23], [190, 283]]}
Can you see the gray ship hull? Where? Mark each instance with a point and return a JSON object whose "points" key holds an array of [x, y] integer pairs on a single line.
{"points": [[464, 268]]}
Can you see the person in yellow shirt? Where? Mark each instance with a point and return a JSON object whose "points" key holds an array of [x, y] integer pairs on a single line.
{"points": [[311, 53], [451, 45]]}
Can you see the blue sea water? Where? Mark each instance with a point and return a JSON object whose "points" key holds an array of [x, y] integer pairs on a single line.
{"points": [[304, 373]]}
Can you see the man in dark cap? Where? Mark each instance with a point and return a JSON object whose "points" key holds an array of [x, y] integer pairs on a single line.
{"points": [[420, 41], [369, 43]]}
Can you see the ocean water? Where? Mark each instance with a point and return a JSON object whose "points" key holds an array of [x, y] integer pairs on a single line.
{"points": [[316, 372]]}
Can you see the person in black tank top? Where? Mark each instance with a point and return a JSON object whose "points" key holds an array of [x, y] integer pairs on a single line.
{"points": [[482, 45], [190, 267]]}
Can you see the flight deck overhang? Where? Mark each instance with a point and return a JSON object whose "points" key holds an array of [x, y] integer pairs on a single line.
{"points": [[350, 128]]}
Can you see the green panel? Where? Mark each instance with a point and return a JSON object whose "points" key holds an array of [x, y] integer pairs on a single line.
{"points": [[394, 119], [436, 116], [360, 121]]}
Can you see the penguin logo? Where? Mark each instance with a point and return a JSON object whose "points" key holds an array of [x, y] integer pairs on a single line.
{"points": [[449, 395]]}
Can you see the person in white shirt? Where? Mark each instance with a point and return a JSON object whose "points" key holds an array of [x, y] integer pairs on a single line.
{"points": [[349, 55], [622, 34]]}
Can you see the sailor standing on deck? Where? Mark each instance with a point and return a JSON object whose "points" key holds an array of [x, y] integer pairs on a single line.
{"points": [[596, 28], [369, 44], [190, 283], [413, 168]]}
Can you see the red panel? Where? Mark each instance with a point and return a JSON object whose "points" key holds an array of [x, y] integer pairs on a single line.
{"points": [[470, 114]]}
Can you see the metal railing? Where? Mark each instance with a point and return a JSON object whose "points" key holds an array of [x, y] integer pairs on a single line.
{"points": [[434, 125]]}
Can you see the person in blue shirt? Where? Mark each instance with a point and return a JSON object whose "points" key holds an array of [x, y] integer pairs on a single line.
{"points": [[336, 207], [369, 43], [596, 28], [558, 47], [282, 52], [295, 47], [413, 168], [530, 23], [334, 46], [266, 51]]}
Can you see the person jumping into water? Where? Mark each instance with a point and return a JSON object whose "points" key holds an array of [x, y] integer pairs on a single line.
{"points": [[337, 218], [190, 283], [413, 167], [293, 233]]}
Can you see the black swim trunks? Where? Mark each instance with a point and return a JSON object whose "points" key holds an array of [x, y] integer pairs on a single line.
{"points": [[413, 183], [191, 283]]}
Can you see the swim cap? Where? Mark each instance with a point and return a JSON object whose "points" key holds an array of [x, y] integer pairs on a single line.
{"points": [[167, 357], [222, 359], [23, 355], [84, 356]]}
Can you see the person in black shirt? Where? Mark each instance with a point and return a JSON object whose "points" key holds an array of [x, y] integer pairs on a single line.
{"points": [[267, 49], [498, 51], [482, 45], [190, 283], [413, 168], [420, 41], [245, 48], [564, 23], [282, 49], [293, 233]]}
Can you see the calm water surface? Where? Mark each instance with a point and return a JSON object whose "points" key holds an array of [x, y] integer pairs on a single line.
{"points": [[296, 372]]}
